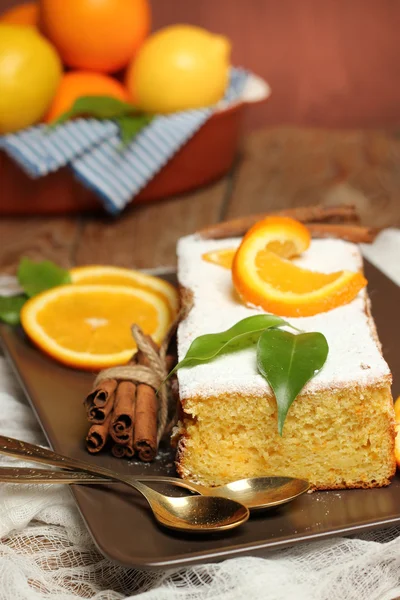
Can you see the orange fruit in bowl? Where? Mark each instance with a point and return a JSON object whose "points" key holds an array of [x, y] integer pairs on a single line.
{"points": [[109, 275], [76, 84], [99, 35], [22, 14], [89, 326], [30, 71], [178, 68], [263, 278]]}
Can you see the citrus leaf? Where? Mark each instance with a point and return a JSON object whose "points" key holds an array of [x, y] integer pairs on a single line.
{"points": [[100, 107], [10, 307], [35, 277], [130, 125], [243, 334], [287, 362]]}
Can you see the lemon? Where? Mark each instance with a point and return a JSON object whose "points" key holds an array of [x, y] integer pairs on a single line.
{"points": [[178, 68], [30, 71]]}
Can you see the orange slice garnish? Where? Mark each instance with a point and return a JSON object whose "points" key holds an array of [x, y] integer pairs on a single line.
{"points": [[89, 326], [222, 257], [397, 445], [284, 236], [262, 278], [109, 275], [397, 428], [287, 238], [397, 409]]}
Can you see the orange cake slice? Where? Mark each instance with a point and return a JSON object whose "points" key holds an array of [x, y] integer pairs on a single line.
{"points": [[339, 431]]}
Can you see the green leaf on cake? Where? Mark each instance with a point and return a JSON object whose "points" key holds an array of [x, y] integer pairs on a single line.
{"points": [[287, 362], [36, 277], [10, 307], [243, 334]]}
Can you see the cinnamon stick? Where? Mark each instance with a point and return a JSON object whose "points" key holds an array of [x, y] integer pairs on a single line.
{"points": [[170, 362], [145, 434], [101, 393], [99, 403], [124, 412], [305, 214], [124, 450], [98, 414], [352, 233], [97, 436], [145, 431]]}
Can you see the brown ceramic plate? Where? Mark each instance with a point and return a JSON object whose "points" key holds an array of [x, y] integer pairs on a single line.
{"points": [[119, 520]]}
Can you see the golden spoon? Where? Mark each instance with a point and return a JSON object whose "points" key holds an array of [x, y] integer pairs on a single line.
{"points": [[255, 492], [197, 514]]}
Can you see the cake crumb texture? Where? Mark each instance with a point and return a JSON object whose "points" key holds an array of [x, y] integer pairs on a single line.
{"points": [[335, 439]]}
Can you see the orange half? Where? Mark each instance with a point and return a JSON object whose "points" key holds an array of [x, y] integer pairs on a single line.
{"points": [[89, 326]]}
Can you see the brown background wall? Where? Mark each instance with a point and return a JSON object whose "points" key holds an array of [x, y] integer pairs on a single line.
{"points": [[332, 63]]}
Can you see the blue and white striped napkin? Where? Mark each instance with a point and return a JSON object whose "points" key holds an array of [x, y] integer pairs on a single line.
{"points": [[93, 150]]}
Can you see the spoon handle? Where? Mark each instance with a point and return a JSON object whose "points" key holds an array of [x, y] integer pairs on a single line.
{"points": [[31, 452], [27, 475]]}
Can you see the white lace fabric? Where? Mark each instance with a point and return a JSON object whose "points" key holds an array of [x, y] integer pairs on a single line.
{"points": [[46, 551]]}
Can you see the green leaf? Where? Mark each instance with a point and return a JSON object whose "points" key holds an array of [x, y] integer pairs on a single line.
{"points": [[10, 307], [130, 125], [243, 334], [100, 107], [287, 362], [35, 277]]}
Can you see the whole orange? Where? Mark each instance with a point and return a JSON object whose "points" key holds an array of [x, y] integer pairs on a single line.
{"points": [[76, 84], [23, 14], [100, 35]]}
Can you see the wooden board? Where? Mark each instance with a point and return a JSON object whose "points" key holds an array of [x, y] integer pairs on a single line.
{"points": [[278, 168]]}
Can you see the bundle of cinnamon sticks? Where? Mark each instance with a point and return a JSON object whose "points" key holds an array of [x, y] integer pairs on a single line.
{"points": [[322, 221], [123, 415]]}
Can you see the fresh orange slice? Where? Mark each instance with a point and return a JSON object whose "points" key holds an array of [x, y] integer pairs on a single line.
{"points": [[397, 409], [89, 326], [397, 427], [282, 235], [108, 275], [285, 236], [262, 278], [397, 445], [222, 257]]}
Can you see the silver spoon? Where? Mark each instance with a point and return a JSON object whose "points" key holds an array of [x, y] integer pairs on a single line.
{"points": [[254, 492], [199, 514]]}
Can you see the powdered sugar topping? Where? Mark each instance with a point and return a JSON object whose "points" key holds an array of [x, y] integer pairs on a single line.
{"points": [[354, 356]]}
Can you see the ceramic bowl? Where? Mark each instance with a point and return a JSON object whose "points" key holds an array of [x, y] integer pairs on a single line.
{"points": [[208, 155]]}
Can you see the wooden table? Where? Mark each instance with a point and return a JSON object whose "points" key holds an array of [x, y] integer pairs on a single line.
{"points": [[277, 168]]}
